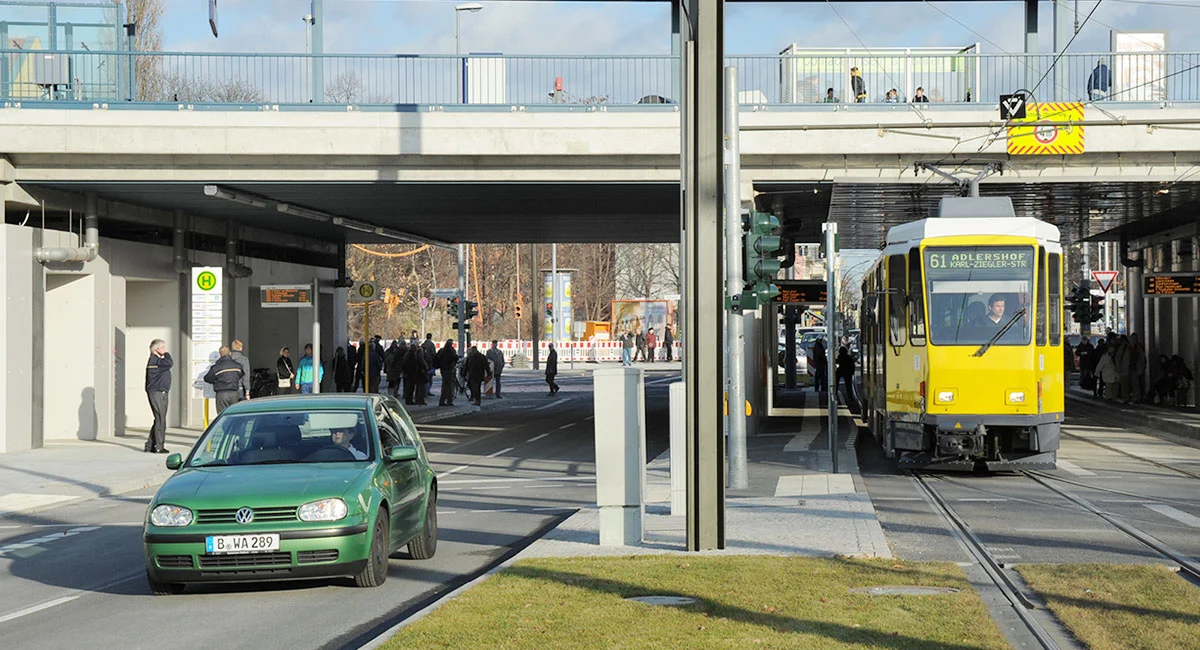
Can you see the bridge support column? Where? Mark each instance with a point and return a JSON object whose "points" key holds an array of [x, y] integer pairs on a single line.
{"points": [[1031, 43], [1063, 31]]}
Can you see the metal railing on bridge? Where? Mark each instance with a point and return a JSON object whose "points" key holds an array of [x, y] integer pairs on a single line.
{"points": [[34, 77]]}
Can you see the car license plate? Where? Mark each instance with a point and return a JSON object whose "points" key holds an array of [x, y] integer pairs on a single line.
{"points": [[217, 544]]}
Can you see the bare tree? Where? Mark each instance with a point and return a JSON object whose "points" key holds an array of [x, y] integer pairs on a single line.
{"points": [[347, 88], [647, 270], [147, 16], [236, 91]]}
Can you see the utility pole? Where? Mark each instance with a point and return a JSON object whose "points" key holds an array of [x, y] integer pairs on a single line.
{"points": [[831, 328], [535, 310], [462, 297], [734, 320]]}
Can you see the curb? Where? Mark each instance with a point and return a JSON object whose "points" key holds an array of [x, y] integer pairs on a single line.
{"points": [[1156, 422]]}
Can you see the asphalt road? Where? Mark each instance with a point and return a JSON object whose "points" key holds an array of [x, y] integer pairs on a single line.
{"points": [[75, 575], [1021, 521]]}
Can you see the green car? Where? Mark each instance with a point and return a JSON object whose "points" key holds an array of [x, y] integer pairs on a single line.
{"points": [[302, 486]]}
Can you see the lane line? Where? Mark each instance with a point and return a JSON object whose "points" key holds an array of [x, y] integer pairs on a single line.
{"points": [[1074, 469], [529, 478], [497, 510], [537, 438], [663, 380], [37, 608], [501, 452], [451, 471], [552, 508], [897, 499], [567, 426], [590, 417], [1176, 514], [552, 404], [982, 500]]}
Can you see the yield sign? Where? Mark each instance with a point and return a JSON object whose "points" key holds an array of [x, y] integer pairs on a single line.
{"points": [[1104, 279]]}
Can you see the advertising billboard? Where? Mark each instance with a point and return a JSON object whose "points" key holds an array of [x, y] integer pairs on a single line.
{"points": [[640, 315], [1139, 66]]}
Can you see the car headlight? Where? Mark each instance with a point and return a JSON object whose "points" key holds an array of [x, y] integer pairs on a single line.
{"points": [[169, 515], [1017, 397], [945, 396], [323, 510]]}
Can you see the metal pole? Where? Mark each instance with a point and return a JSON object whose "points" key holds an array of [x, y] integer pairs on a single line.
{"points": [[554, 292], [535, 310], [318, 49], [366, 351], [517, 254], [458, 63], [316, 335], [705, 276], [462, 296], [734, 321], [831, 317]]}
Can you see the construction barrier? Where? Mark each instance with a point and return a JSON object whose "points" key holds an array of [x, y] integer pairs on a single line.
{"points": [[581, 351]]}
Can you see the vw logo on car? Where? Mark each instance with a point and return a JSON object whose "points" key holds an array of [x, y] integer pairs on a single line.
{"points": [[244, 515]]}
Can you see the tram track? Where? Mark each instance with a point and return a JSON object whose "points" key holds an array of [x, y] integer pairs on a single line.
{"points": [[1021, 604]]}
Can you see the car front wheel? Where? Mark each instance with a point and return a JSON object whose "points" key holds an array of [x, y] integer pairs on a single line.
{"points": [[423, 546], [375, 573]]}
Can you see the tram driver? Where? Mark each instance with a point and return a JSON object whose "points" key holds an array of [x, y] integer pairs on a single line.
{"points": [[995, 311]]}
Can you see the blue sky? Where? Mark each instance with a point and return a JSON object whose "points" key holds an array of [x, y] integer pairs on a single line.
{"points": [[427, 26]]}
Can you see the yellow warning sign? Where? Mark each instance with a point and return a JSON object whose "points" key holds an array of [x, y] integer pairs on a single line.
{"points": [[1047, 130]]}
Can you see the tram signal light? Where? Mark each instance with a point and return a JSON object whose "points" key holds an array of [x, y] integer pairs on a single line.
{"points": [[761, 250], [472, 310], [1077, 303], [518, 310], [1096, 309], [452, 307]]}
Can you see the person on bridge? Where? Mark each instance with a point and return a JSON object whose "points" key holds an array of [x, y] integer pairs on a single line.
{"points": [[285, 372], [551, 370], [858, 86], [496, 358], [446, 360], [1100, 81], [919, 96], [651, 343], [235, 348], [225, 375], [669, 342], [343, 374], [158, 384], [477, 370], [310, 371], [829, 97]]}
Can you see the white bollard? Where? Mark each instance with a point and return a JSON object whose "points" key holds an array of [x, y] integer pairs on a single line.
{"points": [[620, 419], [678, 404]]}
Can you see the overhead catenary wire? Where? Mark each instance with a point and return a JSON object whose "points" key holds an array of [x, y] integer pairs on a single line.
{"points": [[380, 254], [871, 54]]}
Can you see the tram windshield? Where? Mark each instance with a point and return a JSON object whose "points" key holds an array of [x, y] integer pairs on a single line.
{"points": [[974, 291]]}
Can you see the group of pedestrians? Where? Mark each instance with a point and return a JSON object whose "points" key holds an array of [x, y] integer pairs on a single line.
{"points": [[642, 345], [1116, 369]]}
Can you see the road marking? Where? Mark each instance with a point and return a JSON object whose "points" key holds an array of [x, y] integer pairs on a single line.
{"points": [[552, 404], [497, 510], [1176, 514], [37, 608], [1125, 501], [15, 503], [45, 539], [531, 478], [501, 452], [447, 512], [537, 438], [982, 499], [10, 526], [1074, 469], [451, 471], [897, 499], [590, 417], [665, 379], [450, 428], [552, 508], [1088, 531], [494, 487], [567, 426]]}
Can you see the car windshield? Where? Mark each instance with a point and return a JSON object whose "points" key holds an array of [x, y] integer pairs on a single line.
{"points": [[975, 291], [281, 437]]}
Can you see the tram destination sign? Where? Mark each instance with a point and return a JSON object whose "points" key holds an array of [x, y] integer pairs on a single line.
{"points": [[286, 295], [1172, 284], [800, 291]]}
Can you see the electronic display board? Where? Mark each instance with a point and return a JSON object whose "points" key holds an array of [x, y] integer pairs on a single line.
{"points": [[286, 295], [1171, 284], [800, 291]]}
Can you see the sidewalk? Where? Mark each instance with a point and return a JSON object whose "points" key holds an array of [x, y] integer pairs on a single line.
{"points": [[69, 471], [795, 505], [1183, 422]]}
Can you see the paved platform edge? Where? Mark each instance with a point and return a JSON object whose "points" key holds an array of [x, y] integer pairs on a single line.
{"points": [[1157, 418]]}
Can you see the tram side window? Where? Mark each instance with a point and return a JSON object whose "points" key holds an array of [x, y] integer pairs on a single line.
{"points": [[916, 305], [1055, 275], [896, 299], [1041, 297]]}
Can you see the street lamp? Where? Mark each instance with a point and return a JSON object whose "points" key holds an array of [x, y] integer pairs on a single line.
{"points": [[308, 23], [472, 7]]}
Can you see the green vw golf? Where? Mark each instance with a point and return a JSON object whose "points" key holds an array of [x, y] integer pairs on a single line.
{"points": [[302, 486]]}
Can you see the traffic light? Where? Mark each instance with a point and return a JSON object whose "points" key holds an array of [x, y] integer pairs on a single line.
{"points": [[549, 310], [1078, 303], [1096, 311], [518, 308], [452, 307], [762, 251], [472, 310]]}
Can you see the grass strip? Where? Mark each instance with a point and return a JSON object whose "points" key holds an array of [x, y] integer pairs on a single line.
{"points": [[1120, 606], [741, 602]]}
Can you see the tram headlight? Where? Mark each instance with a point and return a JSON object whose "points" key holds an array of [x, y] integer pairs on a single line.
{"points": [[1016, 397], [945, 396]]}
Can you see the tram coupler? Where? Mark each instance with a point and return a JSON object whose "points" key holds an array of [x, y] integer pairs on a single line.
{"points": [[962, 444]]}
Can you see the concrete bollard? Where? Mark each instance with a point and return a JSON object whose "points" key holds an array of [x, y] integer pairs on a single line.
{"points": [[678, 449], [620, 419]]}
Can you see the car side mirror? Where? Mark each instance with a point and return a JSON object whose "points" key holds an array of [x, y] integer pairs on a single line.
{"points": [[174, 461], [402, 453]]}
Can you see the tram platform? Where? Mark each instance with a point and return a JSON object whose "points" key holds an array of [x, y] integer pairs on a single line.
{"points": [[1180, 424]]}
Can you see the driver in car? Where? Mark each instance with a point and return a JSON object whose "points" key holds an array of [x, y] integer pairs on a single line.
{"points": [[341, 438]]}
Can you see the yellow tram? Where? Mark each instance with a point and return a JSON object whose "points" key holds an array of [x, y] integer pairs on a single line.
{"points": [[962, 340]]}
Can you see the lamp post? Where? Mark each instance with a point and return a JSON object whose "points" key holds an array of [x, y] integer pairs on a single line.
{"points": [[472, 7], [308, 25]]}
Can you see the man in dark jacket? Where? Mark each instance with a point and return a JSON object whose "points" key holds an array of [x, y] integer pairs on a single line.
{"points": [[236, 353], [225, 375], [496, 357], [477, 368], [391, 366], [445, 360], [158, 384], [551, 370], [669, 342], [430, 349], [374, 365], [415, 369], [640, 341]]}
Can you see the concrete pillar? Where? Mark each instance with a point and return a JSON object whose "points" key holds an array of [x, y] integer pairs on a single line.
{"points": [[678, 410], [676, 49], [1031, 42], [20, 414], [1134, 299], [620, 419], [1064, 29]]}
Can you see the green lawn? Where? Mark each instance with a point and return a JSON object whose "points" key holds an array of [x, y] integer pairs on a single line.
{"points": [[1120, 606], [742, 602]]}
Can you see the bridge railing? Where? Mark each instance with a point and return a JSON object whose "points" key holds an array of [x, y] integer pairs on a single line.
{"points": [[580, 81]]}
